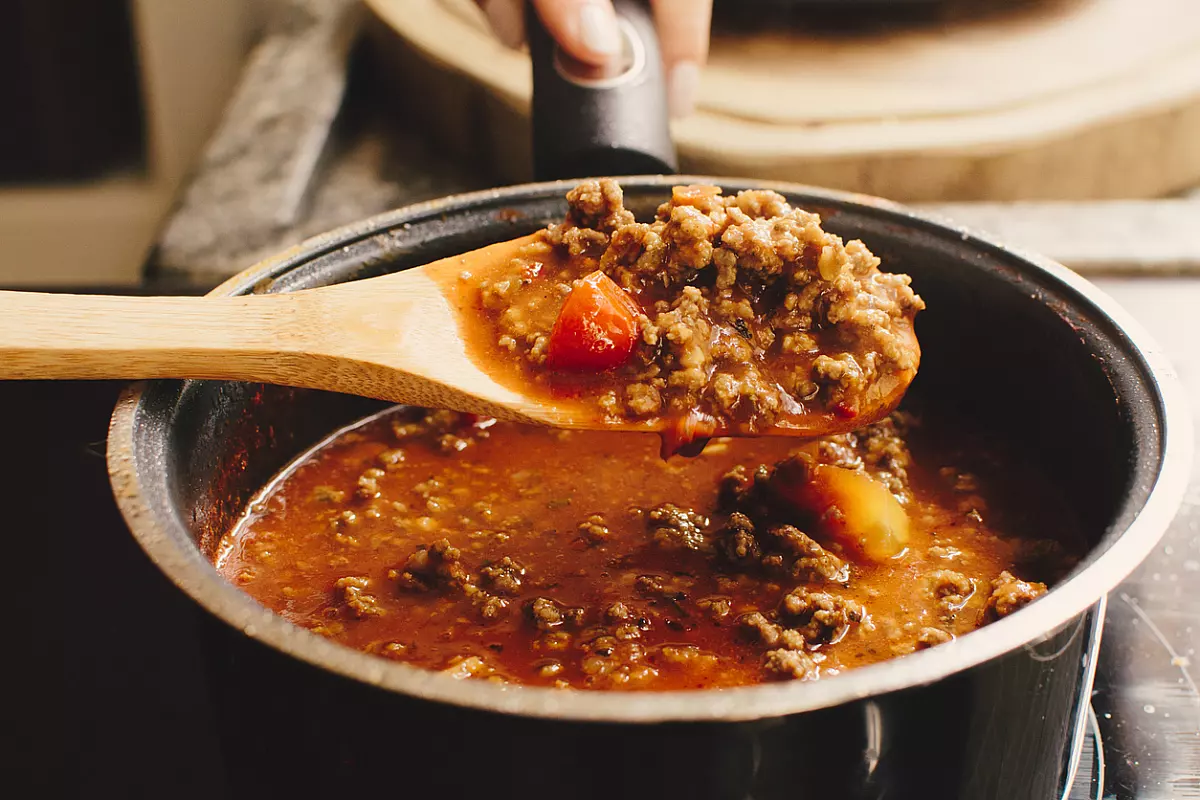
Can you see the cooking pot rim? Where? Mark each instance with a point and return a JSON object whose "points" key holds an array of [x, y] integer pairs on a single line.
{"points": [[190, 571]]}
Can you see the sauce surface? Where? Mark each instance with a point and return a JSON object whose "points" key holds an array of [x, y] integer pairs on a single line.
{"points": [[574, 559]]}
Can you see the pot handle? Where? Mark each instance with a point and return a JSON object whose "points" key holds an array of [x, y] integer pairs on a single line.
{"points": [[587, 122]]}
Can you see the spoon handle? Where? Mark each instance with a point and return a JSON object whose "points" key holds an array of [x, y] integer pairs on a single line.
{"points": [[63, 336], [394, 337]]}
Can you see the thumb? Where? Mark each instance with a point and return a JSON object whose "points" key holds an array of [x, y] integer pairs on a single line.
{"points": [[507, 18], [683, 32], [586, 29]]}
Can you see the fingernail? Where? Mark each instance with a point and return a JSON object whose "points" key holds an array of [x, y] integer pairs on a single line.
{"points": [[682, 88], [507, 21], [598, 29]]}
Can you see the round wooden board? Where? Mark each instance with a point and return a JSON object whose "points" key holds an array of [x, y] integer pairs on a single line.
{"points": [[1066, 99]]}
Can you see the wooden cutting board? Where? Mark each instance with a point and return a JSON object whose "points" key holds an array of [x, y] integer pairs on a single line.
{"points": [[1060, 99]]}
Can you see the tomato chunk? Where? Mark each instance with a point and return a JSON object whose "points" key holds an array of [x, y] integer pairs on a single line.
{"points": [[847, 506], [597, 328]]}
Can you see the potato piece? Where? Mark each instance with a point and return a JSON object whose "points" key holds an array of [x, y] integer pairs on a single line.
{"points": [[849, 507]]}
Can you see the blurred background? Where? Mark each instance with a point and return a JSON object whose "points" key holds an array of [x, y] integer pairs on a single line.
{"points": [[182, 140], [159, 146]]}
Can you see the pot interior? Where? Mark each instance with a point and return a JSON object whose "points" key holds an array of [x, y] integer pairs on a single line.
{"points": [[1006, 345]]}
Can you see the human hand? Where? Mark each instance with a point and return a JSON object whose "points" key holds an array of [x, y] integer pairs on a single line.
{"points": [[587, 29]]}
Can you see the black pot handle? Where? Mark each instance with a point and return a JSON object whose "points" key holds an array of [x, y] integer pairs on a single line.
{"points": [[589, 124]]}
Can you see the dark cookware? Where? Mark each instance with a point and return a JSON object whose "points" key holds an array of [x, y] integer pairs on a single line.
{"points": [[1015, 343]]}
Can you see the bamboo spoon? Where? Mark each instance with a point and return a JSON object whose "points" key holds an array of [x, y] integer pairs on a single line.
{"points": [[395, 337]]}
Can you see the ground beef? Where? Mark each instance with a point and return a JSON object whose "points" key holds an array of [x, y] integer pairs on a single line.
{"points": [[1010, 594], [774, 563], [745, 393], [946, 553], [682, 336], [547, 614], [391, 457], [439, 567], [761, 247], [453, 443], [594, 529], [503, 576], [544, 613], [720, 280], [328, 494], [842, 373], [463, 667], [613, 663], [444, 421], [820, 617], [643, 399], [599, 205], [688, 236], [738, 487], [813, 563], [673, 589], [672, 526], [885, 454], [785, 549], [737, 542], [353, 591], [952, 590], [879, 449], [368, 484], [451, 432], [932, 637], [688, 657], [618, 612], [718, 608], [840, 451], [490, 607], [761, 629], [790, 664], [432, 566]]}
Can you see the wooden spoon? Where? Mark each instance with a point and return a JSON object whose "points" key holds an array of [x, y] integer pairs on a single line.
{"points": [[395, 337]]}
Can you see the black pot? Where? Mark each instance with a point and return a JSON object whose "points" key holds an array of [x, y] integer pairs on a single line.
{"points": [[1020, 346]]}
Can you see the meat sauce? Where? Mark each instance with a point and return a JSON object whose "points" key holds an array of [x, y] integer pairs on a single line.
{"points": [[723, 314], [494, 551]]}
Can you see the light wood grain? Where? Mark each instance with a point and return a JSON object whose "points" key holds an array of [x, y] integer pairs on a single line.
{"points": [[1065, 100], [394, 338]]}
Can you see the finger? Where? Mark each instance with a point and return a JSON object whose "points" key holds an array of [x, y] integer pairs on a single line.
{"points": [[507, 18], [683, 31], [586, 29]]}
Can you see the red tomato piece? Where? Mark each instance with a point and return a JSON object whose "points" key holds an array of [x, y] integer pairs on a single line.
{"points": [[597, 328], [844, 411], [848, 506]]}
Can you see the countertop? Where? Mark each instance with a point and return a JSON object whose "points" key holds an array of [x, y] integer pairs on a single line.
{"points": [[1146, 695]]}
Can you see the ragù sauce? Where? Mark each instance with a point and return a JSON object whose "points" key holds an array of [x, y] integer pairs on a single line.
{"points": [[501, 552]]}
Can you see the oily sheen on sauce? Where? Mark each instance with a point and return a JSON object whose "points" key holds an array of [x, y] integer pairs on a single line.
{"points": [[578, 559]]}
